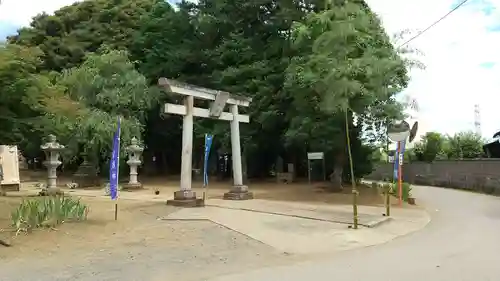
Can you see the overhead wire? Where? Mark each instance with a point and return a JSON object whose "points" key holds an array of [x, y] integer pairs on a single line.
{"points": [[434, 23]]}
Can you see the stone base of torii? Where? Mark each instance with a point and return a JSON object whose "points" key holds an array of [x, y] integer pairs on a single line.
{"points": [[186, 197]]}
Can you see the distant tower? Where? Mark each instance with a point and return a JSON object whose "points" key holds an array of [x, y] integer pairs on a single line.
{"points": [[415, 107], [477, 119], [412, 107]]}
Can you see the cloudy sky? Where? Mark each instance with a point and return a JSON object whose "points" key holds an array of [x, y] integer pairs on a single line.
{"points": [[461, 55]]}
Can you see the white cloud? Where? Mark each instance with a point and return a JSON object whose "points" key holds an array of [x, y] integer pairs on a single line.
{"points": [[455, 53], [20, 12]]}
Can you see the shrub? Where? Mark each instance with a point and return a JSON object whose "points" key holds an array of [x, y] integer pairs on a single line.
{"points": [[406, 188], [47, 212]]}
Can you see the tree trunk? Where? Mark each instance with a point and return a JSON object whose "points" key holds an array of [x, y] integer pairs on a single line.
{"points": [[336, 175]]}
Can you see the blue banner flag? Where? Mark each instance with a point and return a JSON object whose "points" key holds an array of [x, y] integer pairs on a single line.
{"points": [[114, 164], [208, 144], [400, 150], [396, 162]]}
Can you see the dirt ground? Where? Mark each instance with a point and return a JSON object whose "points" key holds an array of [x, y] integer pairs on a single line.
{"points": [[116, 246], [104, 249], [270, 190]]}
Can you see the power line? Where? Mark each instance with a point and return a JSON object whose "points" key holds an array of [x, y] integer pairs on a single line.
{"points": [[434, 23]]}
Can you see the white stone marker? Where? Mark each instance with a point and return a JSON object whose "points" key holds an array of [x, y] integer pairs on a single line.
{"points": [[9, 162], [185, 196]]}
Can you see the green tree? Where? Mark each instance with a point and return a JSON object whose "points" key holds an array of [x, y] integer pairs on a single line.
{"points": [[464, 145], [18, 83], [81, 28], [347, 64], [87, 101], [238, 46], [430, 147], [299, 101]]}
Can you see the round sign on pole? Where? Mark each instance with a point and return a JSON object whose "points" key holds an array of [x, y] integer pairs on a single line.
{"points": [[398, 131]]}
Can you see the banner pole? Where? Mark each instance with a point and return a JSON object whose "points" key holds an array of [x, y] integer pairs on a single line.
{"points": [[400, 182]]}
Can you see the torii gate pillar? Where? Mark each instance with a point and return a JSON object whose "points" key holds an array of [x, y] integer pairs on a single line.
{"points": [[186, 196]]}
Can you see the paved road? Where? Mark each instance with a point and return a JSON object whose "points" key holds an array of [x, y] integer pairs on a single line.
{"points": [[462, 243]]}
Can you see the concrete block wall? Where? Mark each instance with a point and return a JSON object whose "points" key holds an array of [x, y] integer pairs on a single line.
{"points": [[481, 175]]}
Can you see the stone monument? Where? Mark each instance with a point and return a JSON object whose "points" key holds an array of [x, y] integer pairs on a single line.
{"points": [[52, 151], [86, 175], [281, 175], [9, 161], [23, 164], [185, 196], [280, 168], [134, 151]]}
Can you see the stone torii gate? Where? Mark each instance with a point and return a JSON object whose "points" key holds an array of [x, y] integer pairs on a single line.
{"points": [[185, 196]]}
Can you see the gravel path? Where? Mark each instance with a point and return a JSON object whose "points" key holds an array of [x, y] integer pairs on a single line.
{"points": [[200, 250]]}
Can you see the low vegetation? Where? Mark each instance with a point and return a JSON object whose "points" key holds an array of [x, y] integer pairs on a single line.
{"points": [[405, 189], [393, 189], [47, 212]]}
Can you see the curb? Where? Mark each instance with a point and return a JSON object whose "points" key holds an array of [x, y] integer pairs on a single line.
{"points": [[370, 224], [378, 222]]}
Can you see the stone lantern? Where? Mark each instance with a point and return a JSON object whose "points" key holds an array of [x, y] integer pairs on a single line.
{"points": [[134, 151], [52, 151]]}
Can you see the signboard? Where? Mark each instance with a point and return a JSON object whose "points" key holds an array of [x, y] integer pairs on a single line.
{"points": [[315, 155], [391, 159]]}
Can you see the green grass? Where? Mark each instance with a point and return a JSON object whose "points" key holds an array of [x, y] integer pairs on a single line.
{"points": [[47, 212]]}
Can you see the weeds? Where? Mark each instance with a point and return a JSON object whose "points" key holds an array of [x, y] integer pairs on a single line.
{"points": [[406, 189], [47, 212]]}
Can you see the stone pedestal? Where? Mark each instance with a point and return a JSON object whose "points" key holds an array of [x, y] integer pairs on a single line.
{"points": [[238, 193], [185, 198], [129, 186], [11, 187]]}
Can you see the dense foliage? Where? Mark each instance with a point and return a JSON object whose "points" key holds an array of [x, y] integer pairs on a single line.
{"points": [[77, 30], [309, 65], [462, 145], [348, 65]]}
